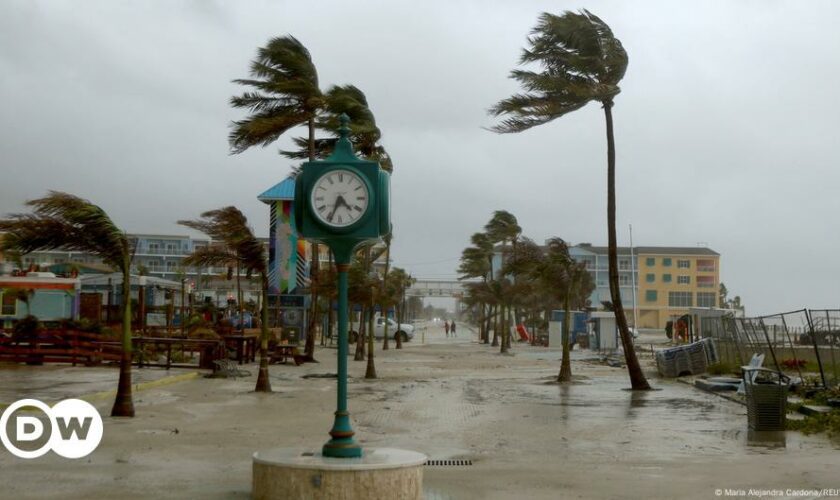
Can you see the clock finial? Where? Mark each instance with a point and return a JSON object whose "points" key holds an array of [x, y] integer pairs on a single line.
{"points": [[343, 147]]}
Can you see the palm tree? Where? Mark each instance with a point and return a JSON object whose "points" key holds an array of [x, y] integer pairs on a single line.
{"points": [[230, 228], [582, 62], [501, 228], [567, 282], [475, 264], [286, 94], [61, 220]]}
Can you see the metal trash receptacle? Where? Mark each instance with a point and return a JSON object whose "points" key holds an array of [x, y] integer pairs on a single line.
{"points": [[766, 392]]}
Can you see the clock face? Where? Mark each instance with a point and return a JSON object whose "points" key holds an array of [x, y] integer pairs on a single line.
{"points": [[339, 198]]}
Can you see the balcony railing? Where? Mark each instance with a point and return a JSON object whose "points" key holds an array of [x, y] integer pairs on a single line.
{"points": [[706, 269]]}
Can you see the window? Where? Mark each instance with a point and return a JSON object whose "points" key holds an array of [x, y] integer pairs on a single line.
{"points": [[683, 264], [624, 264], [9, 307], [624, 279], [650, 277], [153, 248], [650, 295], [666, 278], [706, 266], [683, 280], [666, 261], [706, 299], [651, 261], [679, 299], [706, 282]]}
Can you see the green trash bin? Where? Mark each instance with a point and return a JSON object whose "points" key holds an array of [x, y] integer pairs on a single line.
{"points": [[766, 392]]}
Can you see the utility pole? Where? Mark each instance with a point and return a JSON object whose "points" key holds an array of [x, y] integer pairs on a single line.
{"points": [[633, 277]]}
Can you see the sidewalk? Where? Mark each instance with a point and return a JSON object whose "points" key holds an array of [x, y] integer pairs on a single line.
{"points": [[450, 399]]}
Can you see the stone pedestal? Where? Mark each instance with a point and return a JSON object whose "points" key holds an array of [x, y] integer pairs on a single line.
{"points": [[381, 473]]}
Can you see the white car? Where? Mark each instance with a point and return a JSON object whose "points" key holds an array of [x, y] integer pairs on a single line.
{"points": [[403, 330]]}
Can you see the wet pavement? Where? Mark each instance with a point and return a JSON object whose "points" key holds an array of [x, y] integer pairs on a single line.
{"points": [[450, 398], [54, 382]]}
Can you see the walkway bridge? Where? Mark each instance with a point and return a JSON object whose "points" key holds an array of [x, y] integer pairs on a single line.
{"points": [[436, 288]]}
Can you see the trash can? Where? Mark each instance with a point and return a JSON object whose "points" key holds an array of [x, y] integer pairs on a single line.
{"points": [[766, 392]]}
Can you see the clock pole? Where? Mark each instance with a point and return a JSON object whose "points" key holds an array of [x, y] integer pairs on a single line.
{"points": [[342, 444], [372, 223]]}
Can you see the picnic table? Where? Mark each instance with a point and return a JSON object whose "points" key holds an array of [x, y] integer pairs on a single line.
{"points": [[282, 353], [245, 347]]}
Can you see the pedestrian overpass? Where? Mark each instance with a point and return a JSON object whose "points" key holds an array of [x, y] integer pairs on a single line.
{"points": [[436, 288]]}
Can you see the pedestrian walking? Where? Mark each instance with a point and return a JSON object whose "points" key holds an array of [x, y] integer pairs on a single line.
{"points": [[452, 328], [446, 327]]}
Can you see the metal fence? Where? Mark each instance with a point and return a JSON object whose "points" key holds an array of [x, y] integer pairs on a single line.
{"points": [[803, 343]]}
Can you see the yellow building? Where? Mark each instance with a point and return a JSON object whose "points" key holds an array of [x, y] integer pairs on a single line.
{"points": [[673, 279]]}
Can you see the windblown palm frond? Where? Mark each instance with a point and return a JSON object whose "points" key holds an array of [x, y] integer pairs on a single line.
{"points": [[582, 61], [286, 94], [61, 220], [229, 226], [364, 134]]}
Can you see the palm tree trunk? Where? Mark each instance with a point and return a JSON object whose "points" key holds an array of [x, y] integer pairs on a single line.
{"points": [[383, 306], [399, 312], [123, 404], [488, 317], [370, 370], [637, 377], [238, 297], [494, 310], [565, 374], [314, 320], [263, 381], [183, 319], [505, 347], [360, 340], [309, 347]]}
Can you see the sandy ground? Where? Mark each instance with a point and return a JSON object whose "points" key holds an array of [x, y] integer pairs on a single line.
{"points": [[448, 398]]}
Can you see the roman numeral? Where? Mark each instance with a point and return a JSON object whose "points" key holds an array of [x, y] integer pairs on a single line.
{"points": [[329, 178], [319, 198], [340, 177], [357, 207], [322, 187], [340, 220], [321, 208], [360, 198], [358, 188]]}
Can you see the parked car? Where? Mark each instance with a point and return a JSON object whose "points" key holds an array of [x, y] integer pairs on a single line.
{"points": [[403, 330]]}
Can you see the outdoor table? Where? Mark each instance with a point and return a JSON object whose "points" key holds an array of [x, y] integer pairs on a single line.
{"points": [[245, 346], [283, 352]]}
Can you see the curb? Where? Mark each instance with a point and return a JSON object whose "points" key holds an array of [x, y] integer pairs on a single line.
{"points": [[716, 393], [173, 379]]}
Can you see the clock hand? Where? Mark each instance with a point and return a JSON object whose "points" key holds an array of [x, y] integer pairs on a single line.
{"points": [[335, 207]]}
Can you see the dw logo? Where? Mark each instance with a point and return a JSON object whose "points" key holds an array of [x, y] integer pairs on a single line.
{"points": [[72, 429]]}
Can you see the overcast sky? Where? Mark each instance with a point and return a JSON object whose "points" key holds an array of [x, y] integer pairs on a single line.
{"points": [[726, 126]]}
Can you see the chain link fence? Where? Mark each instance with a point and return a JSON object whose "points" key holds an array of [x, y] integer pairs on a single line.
{"points": [[804, 344]]}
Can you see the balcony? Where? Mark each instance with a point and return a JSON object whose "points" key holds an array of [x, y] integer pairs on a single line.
{"points": [[706, 269]]}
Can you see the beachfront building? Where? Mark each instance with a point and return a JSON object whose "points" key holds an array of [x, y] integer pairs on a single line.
{"points": [[673, 280], [42, 295], [660, 283], [158, 256]]}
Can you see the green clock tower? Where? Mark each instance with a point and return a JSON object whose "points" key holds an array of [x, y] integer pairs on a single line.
{"points": [[342, 202]]}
